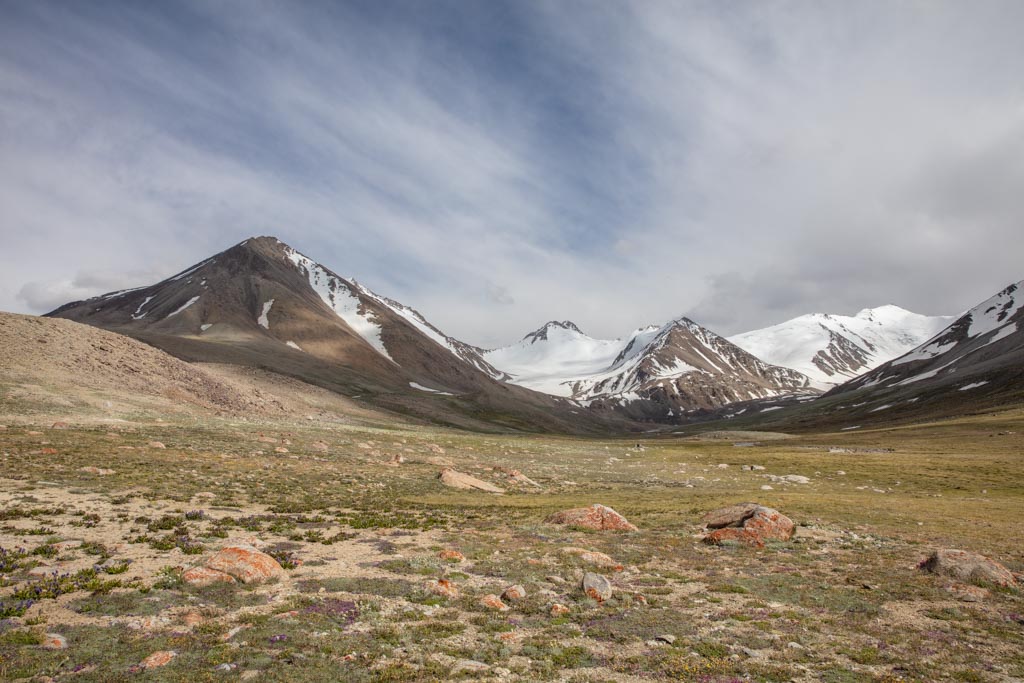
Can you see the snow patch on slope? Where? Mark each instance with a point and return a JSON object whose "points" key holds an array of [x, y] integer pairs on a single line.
{"points": [[263, 320], [337, 294], [183, 307]]}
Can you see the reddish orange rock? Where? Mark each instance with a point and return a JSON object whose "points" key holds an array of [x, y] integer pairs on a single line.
{"points": [[192, 618], [54, 641], [513, 593], [558, 610], [492, 601], [158, 659], [599, 517], [48, 451], [245, 564], [444, 587], [60, 425], [751, 526], [451, 556], [204, 576]]}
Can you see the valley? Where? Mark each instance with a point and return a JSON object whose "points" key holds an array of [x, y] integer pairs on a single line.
{"points": [[362, 535]]}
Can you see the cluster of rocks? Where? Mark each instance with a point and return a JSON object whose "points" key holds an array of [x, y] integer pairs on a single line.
{"points": [[754, 525]]}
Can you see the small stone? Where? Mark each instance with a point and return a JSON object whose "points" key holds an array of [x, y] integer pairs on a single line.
{"points": [[596, 586], [513, 593], [54, 641], [320, 446], [226, 667], [593, 557], [795, 646], [558, 610], [469, 666], [666, 638], [968, 593], [103, 472], [492, 601], [192, 618], [158, 659], [60, 425]]}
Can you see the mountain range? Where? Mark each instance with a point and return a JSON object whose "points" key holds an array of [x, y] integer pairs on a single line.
{"points": [[262, 304]]}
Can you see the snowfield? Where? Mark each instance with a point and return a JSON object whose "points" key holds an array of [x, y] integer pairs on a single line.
{"points": [[848, 345]]}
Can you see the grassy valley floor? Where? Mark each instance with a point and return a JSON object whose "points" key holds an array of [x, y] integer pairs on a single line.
{"points": [[98, 520]]}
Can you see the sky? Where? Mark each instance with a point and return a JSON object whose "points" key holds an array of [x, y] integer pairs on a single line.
{"points": [[496, 165]]}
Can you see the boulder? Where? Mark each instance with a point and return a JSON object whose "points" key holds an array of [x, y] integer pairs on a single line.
{"points": [[749, 525], [513, 593], [733, 515], [460, 480], [204, 576], [967, 566], [245, 563], [596, 586], [597, 516]]}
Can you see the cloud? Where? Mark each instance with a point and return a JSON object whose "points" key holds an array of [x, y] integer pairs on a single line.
{"points": [[501, 164]]}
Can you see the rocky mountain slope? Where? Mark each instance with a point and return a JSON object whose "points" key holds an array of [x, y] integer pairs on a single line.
{"points": [[682, 367], [974, 365], [263, 304], [59, 364], [831, 349], [655, 373], [983, 346]]}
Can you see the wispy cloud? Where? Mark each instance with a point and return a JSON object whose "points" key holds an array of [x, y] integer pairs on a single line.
{"points": [[496, 165]]}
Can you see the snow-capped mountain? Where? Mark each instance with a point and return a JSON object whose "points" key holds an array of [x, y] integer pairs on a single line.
{"points": [[656, 372], [553, 357], [831, 349], [984, 346], [264, 304], [682, 366]]}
